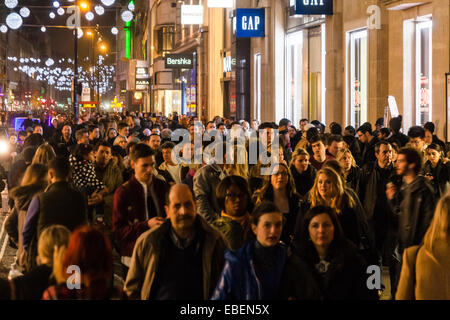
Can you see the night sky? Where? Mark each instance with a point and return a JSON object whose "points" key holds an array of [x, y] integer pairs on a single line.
{"points": [[62, 40]]}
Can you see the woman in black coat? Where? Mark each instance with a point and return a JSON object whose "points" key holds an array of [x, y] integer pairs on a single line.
{"points": [[280, 189], [302, 171], [351, 171], [437, 171], [332, 261], [329, 190]]}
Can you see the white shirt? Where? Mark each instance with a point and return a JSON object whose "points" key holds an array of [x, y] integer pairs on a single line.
{"points": [[175, 172]]}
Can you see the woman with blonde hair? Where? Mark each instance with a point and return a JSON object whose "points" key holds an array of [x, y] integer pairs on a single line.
{"points": [[329, 190], [34, 181], [44, 154], [32, 285], [425, 270], [351, 170], [279, 187]]}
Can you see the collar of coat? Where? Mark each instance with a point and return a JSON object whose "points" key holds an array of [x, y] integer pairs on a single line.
{"points": [[202, 226]]}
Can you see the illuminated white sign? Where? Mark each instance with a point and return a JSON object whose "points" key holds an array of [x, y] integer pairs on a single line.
{"points": [[220, 3], [191, 14]]}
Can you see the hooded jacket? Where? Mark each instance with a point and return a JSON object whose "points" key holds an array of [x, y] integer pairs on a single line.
{"points": [[428, 270], [22, 197], [239, 280]]}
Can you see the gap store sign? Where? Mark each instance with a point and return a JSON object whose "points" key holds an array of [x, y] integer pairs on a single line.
{"points": [[250, 23], [314, 7]]}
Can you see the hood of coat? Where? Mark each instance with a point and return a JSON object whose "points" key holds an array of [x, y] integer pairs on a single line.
{"points": [[23, 195]]}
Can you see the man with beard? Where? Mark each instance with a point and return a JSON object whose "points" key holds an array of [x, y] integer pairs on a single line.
{"points": [[180, 260], [139, 203], [413, 205]]}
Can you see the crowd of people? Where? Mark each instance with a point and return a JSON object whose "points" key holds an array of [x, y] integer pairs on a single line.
{"points": [[107, 194]]}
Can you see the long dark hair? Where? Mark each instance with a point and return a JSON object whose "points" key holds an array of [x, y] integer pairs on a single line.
{"points": [[304, 246], [266, 190]]}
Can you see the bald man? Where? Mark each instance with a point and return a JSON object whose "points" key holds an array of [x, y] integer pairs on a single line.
{"points": [[193, 254]]}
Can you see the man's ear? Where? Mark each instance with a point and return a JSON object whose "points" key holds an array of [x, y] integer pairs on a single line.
{"points": [[132, 164]]}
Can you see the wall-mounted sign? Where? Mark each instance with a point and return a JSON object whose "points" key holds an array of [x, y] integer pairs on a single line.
{"points": [[142, 82], [179, 61], [228, 63], [314, 7], [191, 14], [220, 3], [141, 72], [142, 79], [250, 23]]}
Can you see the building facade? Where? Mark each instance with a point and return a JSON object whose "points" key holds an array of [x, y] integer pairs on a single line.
{"points": [[336, 67]]}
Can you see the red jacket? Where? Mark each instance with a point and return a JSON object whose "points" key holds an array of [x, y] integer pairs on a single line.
{"points": [[128, 216]]}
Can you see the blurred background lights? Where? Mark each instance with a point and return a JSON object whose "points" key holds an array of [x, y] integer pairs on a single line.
{"points": [[99, 10], [14, 20], [108, 2], [11, 4], [127, 16], [89, 16], [24, 12]]}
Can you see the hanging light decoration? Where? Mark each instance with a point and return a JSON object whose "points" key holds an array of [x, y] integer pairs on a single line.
{"points": [[60, 11], [89, 16], [43, 29], [49, 62], [56, 4], [24, 12], [3, 28], [114, 31], [52, 15], [108, 2], [11, 4], [80, 33], [131, 6], [99, 10], [14, 20], [127, 16]]}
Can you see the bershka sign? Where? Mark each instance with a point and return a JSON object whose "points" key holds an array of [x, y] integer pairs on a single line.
{"points": [[314, 7], [250, 23], [179, 61]]}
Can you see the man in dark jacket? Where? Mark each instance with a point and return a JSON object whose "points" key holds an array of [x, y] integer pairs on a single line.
{"points": [[180, 260], [369, 141], [413, 205], [372, 192], [59, 204], [138, 204]]}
